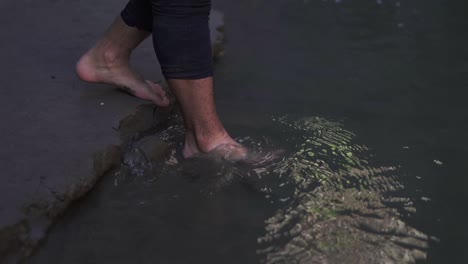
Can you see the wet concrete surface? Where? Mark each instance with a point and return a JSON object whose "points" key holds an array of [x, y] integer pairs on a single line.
{"points": [[57, 133]]}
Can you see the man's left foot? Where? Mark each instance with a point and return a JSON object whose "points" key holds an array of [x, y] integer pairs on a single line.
{"points": [[95, 67]]}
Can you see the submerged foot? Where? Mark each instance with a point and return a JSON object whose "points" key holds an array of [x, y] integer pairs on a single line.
{"points": [[226, 151], [230, 151], [96, 68], [219, 147], [233, 151]]}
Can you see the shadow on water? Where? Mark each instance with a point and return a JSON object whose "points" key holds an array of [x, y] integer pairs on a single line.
{"points": [[322, 201]]}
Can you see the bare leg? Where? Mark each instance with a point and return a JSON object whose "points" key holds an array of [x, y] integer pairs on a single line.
{"points": [[108, 62], [204, 130]]}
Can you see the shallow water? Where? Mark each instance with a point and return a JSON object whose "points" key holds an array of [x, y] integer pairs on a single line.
{"points": [[365, 98], [321, 199]]}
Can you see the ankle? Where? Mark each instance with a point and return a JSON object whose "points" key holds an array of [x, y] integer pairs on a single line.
{"points": [[115, 58], [190, 145], [108, 55], [208, 141]]}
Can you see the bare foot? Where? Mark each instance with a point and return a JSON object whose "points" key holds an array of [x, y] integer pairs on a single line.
{"points": [[96, 68], [229, 151], [222, 147]]}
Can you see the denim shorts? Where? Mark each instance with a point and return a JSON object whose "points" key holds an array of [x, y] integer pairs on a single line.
{"points": [[181, 35]]}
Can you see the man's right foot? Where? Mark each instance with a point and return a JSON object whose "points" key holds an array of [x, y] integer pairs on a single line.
{"points": [[223, 147], [96, 67]]}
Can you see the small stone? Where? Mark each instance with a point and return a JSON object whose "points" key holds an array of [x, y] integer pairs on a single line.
{"points": [[438, 162]]}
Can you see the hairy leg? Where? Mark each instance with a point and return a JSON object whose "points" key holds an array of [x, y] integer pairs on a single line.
{"points": [[109, 62], [181, 39]]}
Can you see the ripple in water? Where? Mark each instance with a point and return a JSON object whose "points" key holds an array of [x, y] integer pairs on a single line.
{"points": [[333, 202], [337, 212]]}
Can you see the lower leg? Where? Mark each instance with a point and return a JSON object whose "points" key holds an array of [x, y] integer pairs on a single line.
{"points": [[109, 62], [204, 130], [181, 39]]}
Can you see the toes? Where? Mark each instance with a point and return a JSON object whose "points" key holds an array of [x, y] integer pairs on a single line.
{"points": [[156, 88], [161, 98]]}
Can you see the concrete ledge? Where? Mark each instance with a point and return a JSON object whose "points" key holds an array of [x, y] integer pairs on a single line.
{"points": [[58, 133]]}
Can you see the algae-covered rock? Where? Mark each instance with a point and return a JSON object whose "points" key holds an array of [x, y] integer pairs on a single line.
{"points": [[142, 120], [154, 148]]}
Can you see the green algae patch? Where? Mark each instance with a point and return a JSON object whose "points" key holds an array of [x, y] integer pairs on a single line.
{"points": [[338, 211]]}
